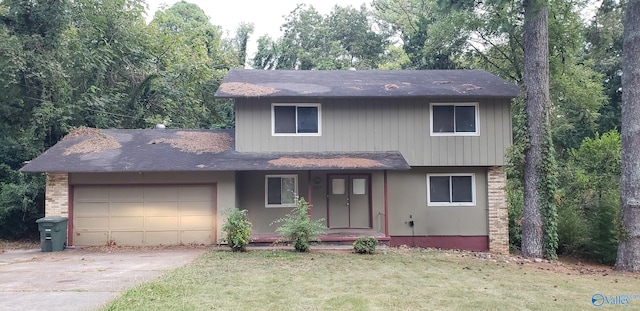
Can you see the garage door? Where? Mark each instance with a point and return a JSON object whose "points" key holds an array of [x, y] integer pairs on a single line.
{"points": [[144, 215]]}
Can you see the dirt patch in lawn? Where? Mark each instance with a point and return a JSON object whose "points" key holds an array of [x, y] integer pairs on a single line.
{"points": [[343, 162], [564, 265], [20, 244], [95, 141], [198, 142]]}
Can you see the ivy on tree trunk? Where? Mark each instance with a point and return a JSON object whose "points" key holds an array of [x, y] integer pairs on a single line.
{"points": [[539, 236], [629, 244]]}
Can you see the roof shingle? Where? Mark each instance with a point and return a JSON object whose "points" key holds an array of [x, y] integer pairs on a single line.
{"points": [[145, 150], [248, 83]]}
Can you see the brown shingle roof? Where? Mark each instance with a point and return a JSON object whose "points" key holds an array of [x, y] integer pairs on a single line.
{"points": [[188, 150], [246, 83]]}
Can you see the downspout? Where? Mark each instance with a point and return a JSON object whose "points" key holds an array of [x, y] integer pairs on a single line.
{"points": [[309, 193], [70, 213], [386, 206]]}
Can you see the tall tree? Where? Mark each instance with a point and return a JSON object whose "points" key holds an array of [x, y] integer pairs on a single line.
{"points": [[190, 58], [343, 39], [243, 32], [108, 42], [432, 38], [604, 49], [629, 245], [536, 78], [34, 103]]}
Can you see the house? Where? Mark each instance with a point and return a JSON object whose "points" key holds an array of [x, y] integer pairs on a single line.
{"points": [[411, 157]]}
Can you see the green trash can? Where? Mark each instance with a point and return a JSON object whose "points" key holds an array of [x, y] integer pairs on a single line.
{"points": [[53, 233]]}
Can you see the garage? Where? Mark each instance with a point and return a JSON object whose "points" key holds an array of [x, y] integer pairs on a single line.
{"points": [[134, 215]]}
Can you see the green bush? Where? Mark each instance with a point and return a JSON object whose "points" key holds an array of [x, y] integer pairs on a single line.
{"points": [[365, 245], [573, 230], [514, 210], [298, 228], [237, 230], [21, 203], [603, 242], [587, 223]]}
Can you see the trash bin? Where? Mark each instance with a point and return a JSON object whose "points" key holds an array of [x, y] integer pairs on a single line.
{"points": [[53, 233]]}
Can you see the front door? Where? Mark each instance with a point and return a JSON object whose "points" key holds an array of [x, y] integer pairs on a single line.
{"points": [[349, 201]]}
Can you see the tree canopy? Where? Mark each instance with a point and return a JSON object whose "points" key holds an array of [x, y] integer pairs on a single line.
{"points": [[65, 64]]}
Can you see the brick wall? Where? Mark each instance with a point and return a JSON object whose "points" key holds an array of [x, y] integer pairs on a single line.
{"points": [[57, 195], [498, 217]]}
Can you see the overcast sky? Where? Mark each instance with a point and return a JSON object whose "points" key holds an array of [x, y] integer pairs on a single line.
{"points": [[266, 16]]}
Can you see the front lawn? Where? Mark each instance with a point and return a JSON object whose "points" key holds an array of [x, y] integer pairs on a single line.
{"points": [[394, 279]]}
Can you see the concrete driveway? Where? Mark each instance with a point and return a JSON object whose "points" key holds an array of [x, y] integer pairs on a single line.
{"points": [[81, 279]]}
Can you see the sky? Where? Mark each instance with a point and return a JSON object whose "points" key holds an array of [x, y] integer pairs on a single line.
{"points": [[266, 16]]}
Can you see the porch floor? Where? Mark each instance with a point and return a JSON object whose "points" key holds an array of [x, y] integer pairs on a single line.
{"points": [[336, 236]]}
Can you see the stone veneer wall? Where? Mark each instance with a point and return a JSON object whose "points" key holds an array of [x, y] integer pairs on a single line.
{"points": [[56, 202], [498, 216]]}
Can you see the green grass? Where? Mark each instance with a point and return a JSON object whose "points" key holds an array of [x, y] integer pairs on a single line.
{"points": [[396, 279]]}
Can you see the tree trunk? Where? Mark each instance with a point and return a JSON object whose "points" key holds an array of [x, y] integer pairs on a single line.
{"points": [[629, 245], [536, 79]]}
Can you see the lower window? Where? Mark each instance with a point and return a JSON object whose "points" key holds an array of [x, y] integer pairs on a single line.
{"points": [[281, 190], [450, 189]]}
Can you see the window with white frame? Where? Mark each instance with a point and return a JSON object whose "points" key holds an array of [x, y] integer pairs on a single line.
{"points": [[454, 119], [281, 190], [295, 119], [451, 189]]}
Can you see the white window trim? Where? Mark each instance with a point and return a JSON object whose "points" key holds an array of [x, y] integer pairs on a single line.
{"points": [[273, 119], [476, 133], [473, 190], [266, 189]]}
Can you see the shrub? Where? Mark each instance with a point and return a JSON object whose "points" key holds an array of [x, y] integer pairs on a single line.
{"points": [[237, 230], [514, 210], [365, 245], [298, 228], [21, 203], [573, 231], [588, 225]]}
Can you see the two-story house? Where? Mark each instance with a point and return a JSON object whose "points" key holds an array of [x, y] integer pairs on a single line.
{"points": [[411, 157]]}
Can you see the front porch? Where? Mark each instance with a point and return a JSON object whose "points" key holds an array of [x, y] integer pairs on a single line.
{"points": [[333, 236], [351, 203]]}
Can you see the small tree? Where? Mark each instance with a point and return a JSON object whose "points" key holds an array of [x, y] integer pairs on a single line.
{"points": [[298, 228], [237, 230]]}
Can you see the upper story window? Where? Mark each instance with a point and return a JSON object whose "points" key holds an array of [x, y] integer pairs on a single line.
{"points": [[454, 119], [451, 189], [295, 119]]}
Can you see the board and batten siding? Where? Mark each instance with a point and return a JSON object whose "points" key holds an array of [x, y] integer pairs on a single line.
{"points": [[374, 124], [408, 201]]}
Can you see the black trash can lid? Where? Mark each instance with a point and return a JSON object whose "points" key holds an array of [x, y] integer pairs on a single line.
{"points": [[52, 219]]}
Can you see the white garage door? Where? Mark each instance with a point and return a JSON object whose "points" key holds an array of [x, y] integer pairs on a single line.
{"points": [[144, 215]]}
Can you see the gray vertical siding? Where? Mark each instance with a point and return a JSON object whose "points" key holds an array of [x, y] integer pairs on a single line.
{"points": [[251, 185], [408, 201], [373, 124]]}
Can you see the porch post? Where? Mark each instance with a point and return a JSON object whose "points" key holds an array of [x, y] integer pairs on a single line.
{"points": [[386, 206], [309, 193]]}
